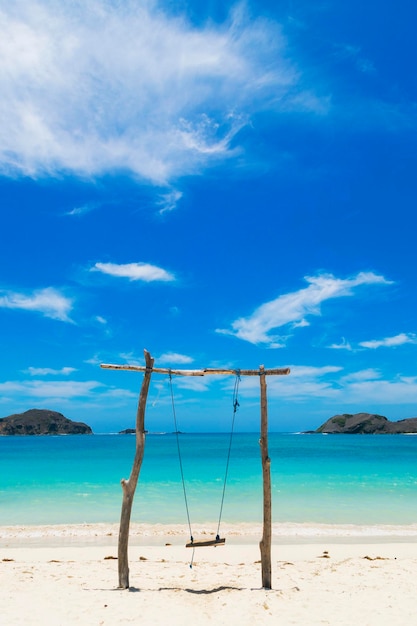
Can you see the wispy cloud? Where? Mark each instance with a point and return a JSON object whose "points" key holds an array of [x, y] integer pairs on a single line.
{"points": [[167, 358], [376, 390], [93, 87], [293, 308], [390, 342], [168, 201], [83, 208], [134, 271], [362, 375], [174, 358], [95, 360], [343, 345], [131, 358], [50, 389], [193, 384], [62, 392], [338, 391], [354, 54], [47, 371], [305, 381], [49, 302]]}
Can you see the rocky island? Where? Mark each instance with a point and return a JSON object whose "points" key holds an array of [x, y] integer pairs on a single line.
{"points": [[41, 422], [367, 424]]}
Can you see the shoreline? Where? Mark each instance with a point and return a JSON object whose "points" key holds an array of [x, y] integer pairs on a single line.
{"points": [[106, 534]]}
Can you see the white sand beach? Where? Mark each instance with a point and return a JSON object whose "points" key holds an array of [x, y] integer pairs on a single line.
{"points": [[68, 575]]}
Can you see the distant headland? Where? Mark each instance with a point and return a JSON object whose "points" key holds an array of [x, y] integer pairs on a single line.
{"points": [[366, 424], [41, 422]]}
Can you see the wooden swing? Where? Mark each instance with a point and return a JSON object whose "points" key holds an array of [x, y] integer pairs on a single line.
{"points": [[203, 544], [129, 485]]}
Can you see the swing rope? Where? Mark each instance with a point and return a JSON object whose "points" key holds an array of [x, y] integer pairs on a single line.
{"points": [[180, 457], [235, 408]]}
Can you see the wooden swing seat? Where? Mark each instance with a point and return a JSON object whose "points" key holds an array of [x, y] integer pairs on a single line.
{"points": [[203, 544]]}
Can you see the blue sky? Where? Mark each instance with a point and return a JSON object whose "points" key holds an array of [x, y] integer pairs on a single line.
{"points": [[220, 183]]}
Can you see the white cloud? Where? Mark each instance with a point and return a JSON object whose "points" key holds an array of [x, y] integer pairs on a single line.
{"points": [[85, 395], [174, 358], [54, 389], [364, 389], [168, 201], [131, 358], [99, 86], [303, 383], [390, 342], [380, 391], [310, 372], [50, 302], [361, 375], [84, 208], [292, 308], [94, 360], [47, 371], [344, 345], [337, 391], [193, 384], [167, 358], [135, 271]]}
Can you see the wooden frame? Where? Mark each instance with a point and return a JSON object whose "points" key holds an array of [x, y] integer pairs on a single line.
{"points": [[129, 486]]}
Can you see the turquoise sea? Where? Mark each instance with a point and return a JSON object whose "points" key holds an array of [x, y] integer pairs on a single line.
{"points": [[319, 479]]}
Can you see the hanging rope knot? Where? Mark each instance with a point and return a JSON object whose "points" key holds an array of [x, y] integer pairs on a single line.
{"points": [[236, 391]]}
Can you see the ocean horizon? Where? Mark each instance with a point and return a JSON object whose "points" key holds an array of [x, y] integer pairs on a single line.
{"points": [[316, 479]]}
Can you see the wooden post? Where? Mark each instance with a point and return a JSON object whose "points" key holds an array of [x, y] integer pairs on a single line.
{"points": [[265, 544], [129, 485]]}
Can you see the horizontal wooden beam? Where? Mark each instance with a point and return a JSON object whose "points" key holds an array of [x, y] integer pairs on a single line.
{"points": [[278, 371]]}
